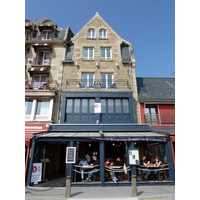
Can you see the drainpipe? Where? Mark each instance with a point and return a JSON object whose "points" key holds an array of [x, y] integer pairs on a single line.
{"points": [[60, 92], [130, 71]]}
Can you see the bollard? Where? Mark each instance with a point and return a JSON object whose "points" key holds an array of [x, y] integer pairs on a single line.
{"points": [[68, 186], [134, 185]]}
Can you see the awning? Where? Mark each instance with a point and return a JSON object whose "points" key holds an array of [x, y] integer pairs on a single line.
{"points": [[39, 69], [45, 45], [106, 136]]}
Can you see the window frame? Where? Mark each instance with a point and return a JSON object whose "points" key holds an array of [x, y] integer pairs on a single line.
{"points": [[106, 84], [36, 110], [47, 36], [87, 80], [40, 83], [102, 35], [106, 53], [91, 36], [88, 53]]}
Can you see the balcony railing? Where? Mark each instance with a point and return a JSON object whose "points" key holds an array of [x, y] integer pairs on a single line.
{"points": [[97, 84], [161, 118], [45, 38], [48, 85], [41, 61]]}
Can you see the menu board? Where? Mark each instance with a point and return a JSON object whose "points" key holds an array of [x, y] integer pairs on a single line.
{"points": [[133, 155], [70, 155]]}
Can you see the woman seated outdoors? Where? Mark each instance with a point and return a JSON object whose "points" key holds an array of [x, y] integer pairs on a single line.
{"points": [[112, 174]]}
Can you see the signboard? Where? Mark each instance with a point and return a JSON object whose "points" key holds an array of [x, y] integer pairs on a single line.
{"points": [[36, 172], [70, 155], [133, 156], [97, 107]]}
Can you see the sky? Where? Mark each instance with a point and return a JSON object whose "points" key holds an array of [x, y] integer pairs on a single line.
{"points": [[148, 24]]}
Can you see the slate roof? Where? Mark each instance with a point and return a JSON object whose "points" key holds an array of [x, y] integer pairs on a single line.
{"points": [[156, 89], [60, 32]]}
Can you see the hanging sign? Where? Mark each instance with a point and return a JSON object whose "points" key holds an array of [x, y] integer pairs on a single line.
{"points": [[70, 155], [36, 172], [97, 108], [133, 155]]}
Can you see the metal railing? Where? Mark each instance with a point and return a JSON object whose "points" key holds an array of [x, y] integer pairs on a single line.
{"points": [[160, 118], [45, 38], [97, 84], [41, 61], [47, 85]]}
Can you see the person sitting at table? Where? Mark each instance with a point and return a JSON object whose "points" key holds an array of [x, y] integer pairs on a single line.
{"points": [[143, 162], [94, 170], [158, 164], [83, 162], [118, 162], [112, 174]]}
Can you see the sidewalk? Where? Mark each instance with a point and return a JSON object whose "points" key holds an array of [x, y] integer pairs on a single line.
{"points": [[157, 192]]}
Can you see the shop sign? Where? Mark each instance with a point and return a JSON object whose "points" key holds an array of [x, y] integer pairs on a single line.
{"points": [[70, 155], [133, 155], [97, 108], [36, 172]]}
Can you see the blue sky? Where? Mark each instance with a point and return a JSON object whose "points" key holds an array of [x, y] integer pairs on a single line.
{"points": [[148, 24]]}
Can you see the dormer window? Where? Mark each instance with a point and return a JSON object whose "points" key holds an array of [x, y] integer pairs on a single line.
{"points": [[102, 34], [91, 33], [46, 35]]}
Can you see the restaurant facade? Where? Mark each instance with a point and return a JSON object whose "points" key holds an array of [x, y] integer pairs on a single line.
{"points": [[99, 111]]}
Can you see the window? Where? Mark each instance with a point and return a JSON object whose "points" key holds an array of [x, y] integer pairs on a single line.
{"points": [[91, 104], [150, 114], [118, 106], [103, 105], [105, 54], [106, 80], [38, 81], [46, 35], [43, 58], [88, 53], [42, 108], [69, 106], [28, 107], [77, 106], [102, 34], [91, 33], [125, 106], [87, 80], [110, 106], [84, 106]]}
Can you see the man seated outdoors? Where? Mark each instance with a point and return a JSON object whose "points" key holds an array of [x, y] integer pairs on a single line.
{"points": [[83, 162], [94, 170], [147, 172]]}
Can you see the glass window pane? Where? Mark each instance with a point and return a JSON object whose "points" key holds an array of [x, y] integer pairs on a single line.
{"points": [[91, 81], [77, 106], [85, 53], [108, 54], [118, 106], [125, 106], [153, 115], [90, 53], [104, 34], [84, 106], [109, 77], [91, 104], [42, 108], [84, 80], [103, 105], [89, 33], [110, 106], [100, 34], [103, 80], [103, 54], [69, 106], [93, 33], [28, 107]]}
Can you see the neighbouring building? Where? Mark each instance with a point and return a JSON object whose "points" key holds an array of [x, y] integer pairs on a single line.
{"points": [[99, 107], [157, 108], [45, 47]]}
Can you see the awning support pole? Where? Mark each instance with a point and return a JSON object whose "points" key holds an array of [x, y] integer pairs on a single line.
{"points": [[133, 170], [102, 159]]}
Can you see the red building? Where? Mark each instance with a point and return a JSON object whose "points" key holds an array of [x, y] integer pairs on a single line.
{"points": [[157, 105]]}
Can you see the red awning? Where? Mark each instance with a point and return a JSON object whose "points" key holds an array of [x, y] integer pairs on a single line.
{"points": [[28, 137]]}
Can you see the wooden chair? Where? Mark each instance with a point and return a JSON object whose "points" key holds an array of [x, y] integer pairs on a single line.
{"points": [[163, 172]]}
